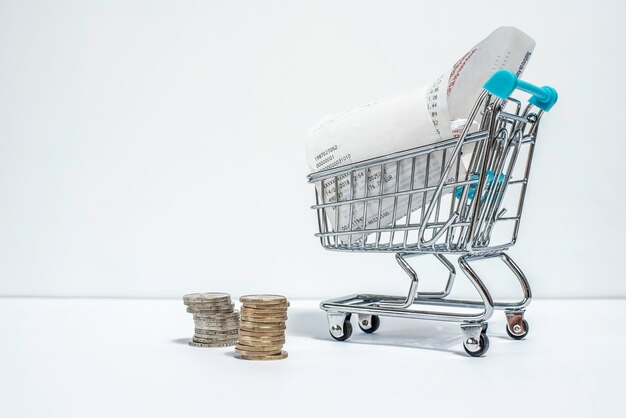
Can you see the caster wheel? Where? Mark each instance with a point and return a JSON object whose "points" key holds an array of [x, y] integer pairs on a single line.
{"points": [[485, 326], [520, 333], [372, 326], [483, 346], [344, 333]]}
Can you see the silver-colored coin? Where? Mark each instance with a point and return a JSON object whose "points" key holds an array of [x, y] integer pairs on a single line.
{"points": [[210, 334], [209, 327], [212, 345], [216, 333], [230, 341], [206, 297], [216, 315], [230, 318], [207, 311], [226, 331], [207, 307], [214, 321]]}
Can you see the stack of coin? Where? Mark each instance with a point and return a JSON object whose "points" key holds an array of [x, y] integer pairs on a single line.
{"points": [[216, 321], [262, 327]]}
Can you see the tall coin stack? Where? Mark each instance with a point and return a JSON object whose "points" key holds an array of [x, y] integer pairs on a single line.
{"points": [[262, 327], [215, 319]]}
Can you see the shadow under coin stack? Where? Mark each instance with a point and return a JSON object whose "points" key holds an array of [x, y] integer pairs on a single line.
{"points": [[215, 319], [262, 327]]}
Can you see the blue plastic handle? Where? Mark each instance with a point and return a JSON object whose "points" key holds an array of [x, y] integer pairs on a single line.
{"points": [[503, 82]]}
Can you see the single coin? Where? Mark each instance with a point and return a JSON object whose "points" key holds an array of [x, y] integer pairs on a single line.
{"points": [[209, 334], [282, 355], [258, 351], [262, 333], [216, 316], [272, 309], [204, 330], [231, 336], [263, 337], [210, 304], [253, 352], [202, 339], [263, 299], [206, 311], [206, 323], [209, 322], [258, 324], [213, 306], [216, 334], [263, 319], [260, 342], [212, 340], [262, 330], [203, 334], [254, 325], [264, 311], [206, 296], [221, 344], [232, 331]]}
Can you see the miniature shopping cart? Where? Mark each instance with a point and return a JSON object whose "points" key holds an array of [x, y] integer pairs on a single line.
{"points": [[461, 196]]}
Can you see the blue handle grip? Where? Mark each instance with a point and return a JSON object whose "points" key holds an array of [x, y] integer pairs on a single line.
{"points": [[503, 82]]}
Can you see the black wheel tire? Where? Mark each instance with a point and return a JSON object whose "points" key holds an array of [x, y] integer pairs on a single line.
{"points": [[484, 346], [518, 337], [374, 325], [485, 327], [347, 331]]}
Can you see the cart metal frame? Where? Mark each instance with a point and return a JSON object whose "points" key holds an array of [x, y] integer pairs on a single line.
{"points": [[457, 215]]}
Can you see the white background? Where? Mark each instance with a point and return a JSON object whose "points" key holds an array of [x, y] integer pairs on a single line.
{"points": [[152, 148]]}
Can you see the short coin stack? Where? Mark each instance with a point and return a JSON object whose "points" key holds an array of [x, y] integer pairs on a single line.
{"points": [[216, 321], [262, 327]]}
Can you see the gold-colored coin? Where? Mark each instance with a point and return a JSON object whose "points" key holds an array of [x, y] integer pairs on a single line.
{"points": [[262, 340], [262, 333], [263, 299], [261, 325], [263, 312], [258, 351], [282, 355], [263, 320]]}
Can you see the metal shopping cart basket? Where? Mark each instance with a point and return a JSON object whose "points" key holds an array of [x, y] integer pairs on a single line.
{"points": [[460, 196]]}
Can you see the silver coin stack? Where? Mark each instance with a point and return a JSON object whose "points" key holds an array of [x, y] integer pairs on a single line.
{"points": [[215, 319]]}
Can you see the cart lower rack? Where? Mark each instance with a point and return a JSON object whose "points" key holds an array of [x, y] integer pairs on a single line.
{"points": [[458, 197]]}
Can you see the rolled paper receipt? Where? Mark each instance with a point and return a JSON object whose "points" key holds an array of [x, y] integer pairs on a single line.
{"points": [[414, 118]]}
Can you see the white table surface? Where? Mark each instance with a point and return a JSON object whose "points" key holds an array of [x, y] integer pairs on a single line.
{"points": [[118, 358]]}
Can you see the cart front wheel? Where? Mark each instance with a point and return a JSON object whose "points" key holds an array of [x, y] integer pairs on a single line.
{"points": [[519, 331], [369, 323], [341, 333], [477, 348]]}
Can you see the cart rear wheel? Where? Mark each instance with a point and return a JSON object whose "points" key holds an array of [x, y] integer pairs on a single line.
{"points": [[369, 324], [344, 333], [483, 346], [518, 333]]}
